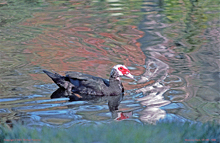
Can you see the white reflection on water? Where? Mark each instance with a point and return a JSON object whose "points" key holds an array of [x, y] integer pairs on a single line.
{"points": [[153, 98]]}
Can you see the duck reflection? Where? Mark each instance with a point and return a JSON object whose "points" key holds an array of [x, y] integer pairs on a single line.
{"points": [[113, 101]]}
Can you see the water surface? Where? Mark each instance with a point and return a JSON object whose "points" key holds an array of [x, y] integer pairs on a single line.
{"points": [[172, 48]]}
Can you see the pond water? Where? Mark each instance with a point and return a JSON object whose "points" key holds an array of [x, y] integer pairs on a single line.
{"points": [[170, 46]]}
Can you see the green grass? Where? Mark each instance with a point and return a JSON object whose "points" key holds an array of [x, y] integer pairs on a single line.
{"points": [[118, 132]]}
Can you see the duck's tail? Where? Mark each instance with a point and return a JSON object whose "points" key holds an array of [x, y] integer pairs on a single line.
{"points": [[59, 80]]}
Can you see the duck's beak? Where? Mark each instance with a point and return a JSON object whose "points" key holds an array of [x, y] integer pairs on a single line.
{"points": [[129, 75]]}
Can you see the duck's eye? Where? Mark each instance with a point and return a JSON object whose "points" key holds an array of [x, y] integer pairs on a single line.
{"points": [[120, 68]]}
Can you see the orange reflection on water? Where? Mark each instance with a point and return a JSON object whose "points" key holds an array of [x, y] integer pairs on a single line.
{"points": [[72, 40]]}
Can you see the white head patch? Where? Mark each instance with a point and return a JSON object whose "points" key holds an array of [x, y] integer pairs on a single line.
{"points": [[117, 68]]}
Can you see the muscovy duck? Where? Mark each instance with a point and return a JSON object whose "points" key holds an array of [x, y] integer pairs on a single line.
{"points": [[80, 83]]}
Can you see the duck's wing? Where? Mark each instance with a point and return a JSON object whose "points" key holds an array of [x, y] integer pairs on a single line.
{"points": [[58, 79], [87, 84]]}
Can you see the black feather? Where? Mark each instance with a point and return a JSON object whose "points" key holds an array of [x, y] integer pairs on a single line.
{"points": [[76, 82]]}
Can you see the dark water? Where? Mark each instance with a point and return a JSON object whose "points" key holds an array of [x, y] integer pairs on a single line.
{"points": [[172, 48]]}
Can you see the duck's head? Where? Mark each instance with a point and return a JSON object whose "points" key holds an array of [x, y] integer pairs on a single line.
{"points": [[120, 70]]}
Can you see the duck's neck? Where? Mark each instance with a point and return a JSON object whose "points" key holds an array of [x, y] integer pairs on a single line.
{"points": [[114, 81]]}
